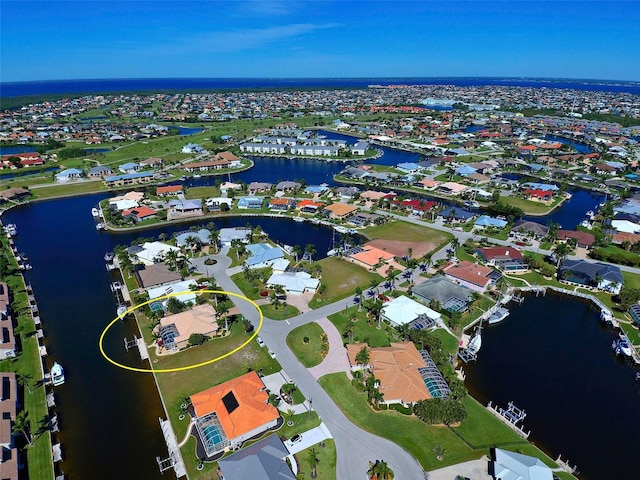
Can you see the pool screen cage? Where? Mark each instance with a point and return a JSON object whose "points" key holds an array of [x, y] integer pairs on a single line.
{"points": [[215, 442]]}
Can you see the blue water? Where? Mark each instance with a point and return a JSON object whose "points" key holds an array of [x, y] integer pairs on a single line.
{"points": [[572, 211], [13, 89], [475, 128], [212, 435], [23, 172], [186, 130], [11, 149], [580, 147], [92, 151]]}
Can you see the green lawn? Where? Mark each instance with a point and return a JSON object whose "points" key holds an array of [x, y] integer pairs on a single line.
{"points": [[529, 206], [326, 467], [449, 342], [631, 280], [280, 313], [308, 353], [340, 278], [407, 232], [363, 332], [62, 190], [202, 192]]}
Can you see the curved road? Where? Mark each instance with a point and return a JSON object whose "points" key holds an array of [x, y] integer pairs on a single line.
{"points": [[355, 447]]}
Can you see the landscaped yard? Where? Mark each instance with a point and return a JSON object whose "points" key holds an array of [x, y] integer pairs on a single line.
{"points": [[281, 313], [340, 279], [449, 342], [326, 467], [362, 331], [529, 206], [308, 353]]}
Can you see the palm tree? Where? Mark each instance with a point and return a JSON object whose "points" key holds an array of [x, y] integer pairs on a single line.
{"points": [[310, 250], [296, 251], [359, 297], [22, 425], [380, 470], [363, 357], [214, 238], [24, 379], [313, 460], [171, 259], [192, 242], [455, 244], [560, 252]]}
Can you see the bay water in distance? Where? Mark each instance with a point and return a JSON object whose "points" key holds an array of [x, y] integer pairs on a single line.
{"points": [[552, 357]]}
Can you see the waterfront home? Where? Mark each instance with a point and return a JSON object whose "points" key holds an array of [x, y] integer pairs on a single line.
{"points": [[317, 150], [138, 214], [471, 275], [174, 330], [120, 204], [464, 170], [582, 239], [288, 186], [540, 186], [236, 410], [634, 311], [452, 188], [405, 375], [309, 206], [214, 204], [129, 167], [157, 275], [263, 255], [539, 195], [487, 221], [526, 228], [625, 222], [201, 236], [339, 211], [511, 465], [99, 171], [263, 460], [8, 410], [129, 179], [183, 208], [68, 175], [295, 283], [259, 187], [603, 276], [168, 190], [362, 219], [316, 189], [360, 147], [405, 311], [207, 165], [281, 204], [153, 252], [272, 148], [504, 258], [186, 287], [14, 194], [250, 203], [455, 214], [346, 193], [5, 300], [370, 257], [228, 235]]}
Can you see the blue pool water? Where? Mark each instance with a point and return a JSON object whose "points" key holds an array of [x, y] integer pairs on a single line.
{"points": [[212, 435]]}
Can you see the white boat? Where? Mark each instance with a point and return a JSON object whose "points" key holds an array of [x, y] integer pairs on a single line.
{"points": [[298, 219], [11, 230], [95, 212], [101, 226], [57, 374], [499, 315], [121, 310], [116, 286], [108, 257], [624, 346], [475, 343], [340, 229]]}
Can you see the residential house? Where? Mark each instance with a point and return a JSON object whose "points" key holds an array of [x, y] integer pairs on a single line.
{"points": [[259, 187], [295, 283], [405, 311], [168, 190], [634, 311], [207, 165], [156, 275], [185, 289], [603, 276], [508, 465], [184, 209], [10, 461], [14, 194], [404, 374], [153, 252], [239, 409], [192, 148], [288, 186], [309, 206], [202, 236], [250, 203], [626, 223], [456, 214], [360, 148], [228, 235], [452, 188], [214, 204], [525, 228], [505, 258], [486, 221], [130, 167], [138, 214], [362, 219], [281, 204], [263, 460], [174, 330], [263, 255], [370, 257], [129, 179], [471, 275], [339, 211], [539, 195], [582, 239], [68, 175], [99, 171]]}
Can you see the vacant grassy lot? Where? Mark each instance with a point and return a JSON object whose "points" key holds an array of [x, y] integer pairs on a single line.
{"points": [[407, 232], [340, 279], [362, 331], [308, 353], [326, 468], [529, 206], [68, 189]]}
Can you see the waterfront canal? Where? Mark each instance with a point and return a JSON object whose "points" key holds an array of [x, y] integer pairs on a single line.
{"points": [[552, 357], [108, 416]]}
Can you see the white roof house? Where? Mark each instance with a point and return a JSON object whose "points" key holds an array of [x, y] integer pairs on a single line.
{"points": [[227, 235], [515, 466], [625, 226], [153, 252], [403, 310], [294, 283], [123, 204], [176, 287]]}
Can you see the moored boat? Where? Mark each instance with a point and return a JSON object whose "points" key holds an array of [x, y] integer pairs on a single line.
{"points": [[108, 257], [95, 212], [121, 310], [101, 226], [57, 374], [497, 316]]}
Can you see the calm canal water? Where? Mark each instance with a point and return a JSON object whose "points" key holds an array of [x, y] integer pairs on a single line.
{"points": [[553, 358], [108, 416]]}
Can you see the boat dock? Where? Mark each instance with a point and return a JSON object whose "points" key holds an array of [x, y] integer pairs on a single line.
{"points": [[510, 416], [139, 344], [175, 458]]}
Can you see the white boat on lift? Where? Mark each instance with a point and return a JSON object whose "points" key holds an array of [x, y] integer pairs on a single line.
{"points": [[95, 212], [57, 374]]}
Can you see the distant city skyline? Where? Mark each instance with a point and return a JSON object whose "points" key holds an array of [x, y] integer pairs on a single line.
{"points": [[59, 40]]}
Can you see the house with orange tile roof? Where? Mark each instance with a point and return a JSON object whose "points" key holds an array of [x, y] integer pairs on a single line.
{"points": [[402, 371], [137, 214], [176, 329], [370, 256], [232, 412], [309, 206], [168, 190], [281, 204], [339, 210], [471, 275]]}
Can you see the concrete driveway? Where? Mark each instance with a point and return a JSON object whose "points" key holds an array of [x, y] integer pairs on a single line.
{"points": [[309, 439]]}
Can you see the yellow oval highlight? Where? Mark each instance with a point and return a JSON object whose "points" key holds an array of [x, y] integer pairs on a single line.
{"points": [[188, 367]]}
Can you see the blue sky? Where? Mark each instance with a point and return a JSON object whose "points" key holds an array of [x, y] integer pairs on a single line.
{"points": [[144, 39]]}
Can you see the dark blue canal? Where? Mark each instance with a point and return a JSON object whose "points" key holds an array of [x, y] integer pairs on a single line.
{"points": [[552, 357]]}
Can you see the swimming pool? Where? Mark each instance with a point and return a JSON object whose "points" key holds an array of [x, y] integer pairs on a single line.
{"points": [[212, 435]]}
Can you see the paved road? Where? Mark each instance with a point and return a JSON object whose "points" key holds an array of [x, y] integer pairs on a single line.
{"points": [[355, 447]]}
